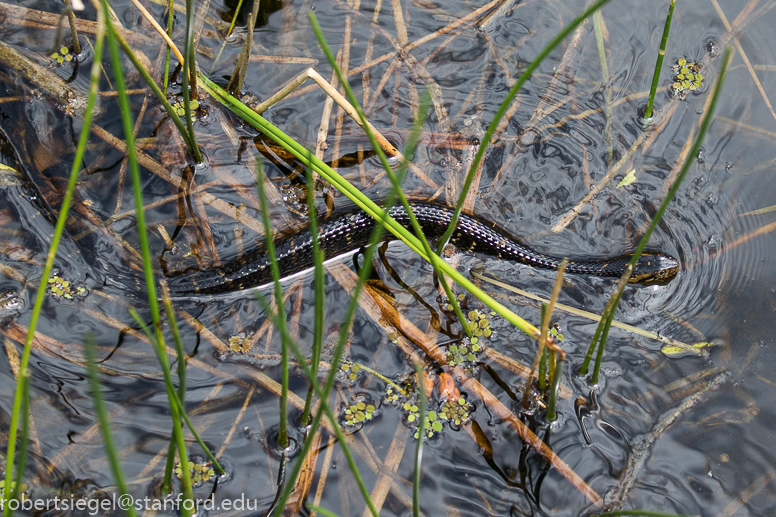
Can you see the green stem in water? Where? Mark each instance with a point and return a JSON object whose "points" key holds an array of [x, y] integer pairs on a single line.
{"points": [[18, 412], [659, 64]]}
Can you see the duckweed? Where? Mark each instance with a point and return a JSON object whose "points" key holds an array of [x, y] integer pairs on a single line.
{"points": [[467, 352], [62, 289], [350, 370], [433, 425], [62, 56], [688, 77], [200, 472], [361, 410], [181, 111], [22, 488], [555, 333], [240, 343], [456, 411]]}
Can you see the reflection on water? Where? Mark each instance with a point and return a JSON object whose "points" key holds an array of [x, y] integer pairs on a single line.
{"points": [[694, 452]]}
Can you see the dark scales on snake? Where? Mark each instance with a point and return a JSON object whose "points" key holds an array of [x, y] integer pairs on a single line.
{"points": [[351, 230]]}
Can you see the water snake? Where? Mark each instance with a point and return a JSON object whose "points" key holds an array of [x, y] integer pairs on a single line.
{"points": [[351, 230]]}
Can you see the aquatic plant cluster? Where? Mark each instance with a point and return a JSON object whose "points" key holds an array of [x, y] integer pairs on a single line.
{"points": [[62, 289], [688, 77], [64, 55]]}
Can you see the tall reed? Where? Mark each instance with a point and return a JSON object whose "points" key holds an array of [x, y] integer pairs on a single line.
{"points": [[602, 331], [659, 64]]}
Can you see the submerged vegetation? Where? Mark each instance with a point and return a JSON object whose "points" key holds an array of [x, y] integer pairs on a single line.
{"points": [[446, 382]]}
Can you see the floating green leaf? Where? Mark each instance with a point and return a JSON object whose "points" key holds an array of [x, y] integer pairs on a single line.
{"points": [[628, 179]]}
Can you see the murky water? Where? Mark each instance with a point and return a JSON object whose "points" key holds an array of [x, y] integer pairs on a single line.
{"points": [[690, 451]]}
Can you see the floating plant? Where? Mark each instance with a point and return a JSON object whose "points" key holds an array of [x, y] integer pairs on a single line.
{"points": [[688, 77]]}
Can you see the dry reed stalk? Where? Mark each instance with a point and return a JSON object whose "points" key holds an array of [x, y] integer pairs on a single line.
{"points": [[741, 51], [748, 493], [159, 30], [235, 423], [344, 64], [392, 461], [325, 469], [328, 104], [365, 79]]}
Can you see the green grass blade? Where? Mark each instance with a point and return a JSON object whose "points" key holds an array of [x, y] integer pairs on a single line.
{"points": [[502, 111], [23, 447], [171, 112], [318, 285], [322, 511], [607, 315], [241, 66], [196, 436], [125, 108], [107, 436], [176, 339], [606, 323], [541, 378], [363, 202], [387, 167], [552, 403], [176, 440], [417, 471], [170, 18], [228, 33], [22, 382], [159, 351], [281, 312], [659, 64], [598, 21]]}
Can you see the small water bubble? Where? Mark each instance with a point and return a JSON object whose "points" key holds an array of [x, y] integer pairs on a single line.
{"points": [[203, 166], [394, 160], [711, 47]]}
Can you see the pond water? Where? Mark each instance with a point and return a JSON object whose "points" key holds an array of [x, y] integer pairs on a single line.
{"points": [[684, 433]]}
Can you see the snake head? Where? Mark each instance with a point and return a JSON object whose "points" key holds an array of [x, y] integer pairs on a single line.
{"points": [[654, 268]]}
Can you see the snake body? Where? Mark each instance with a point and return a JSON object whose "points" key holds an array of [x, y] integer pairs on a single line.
{"points": [[351, 230]]}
